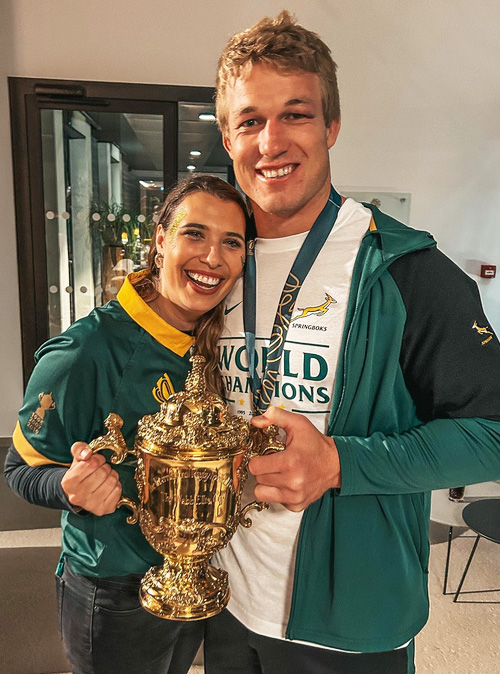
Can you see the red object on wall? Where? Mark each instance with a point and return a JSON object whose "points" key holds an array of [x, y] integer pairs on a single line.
{"points": [[488, 271]]}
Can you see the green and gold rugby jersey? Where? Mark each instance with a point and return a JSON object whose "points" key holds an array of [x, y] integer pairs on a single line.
{"points": [[122, 358]]}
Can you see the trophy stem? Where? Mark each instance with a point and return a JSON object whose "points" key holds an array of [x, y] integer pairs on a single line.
{"points": [[184, 589]]}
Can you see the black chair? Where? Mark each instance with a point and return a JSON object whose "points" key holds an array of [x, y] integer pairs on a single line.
{"points": [[483, 517]]}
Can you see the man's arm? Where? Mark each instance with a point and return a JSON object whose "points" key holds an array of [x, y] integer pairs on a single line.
{"points": [[453, 375], [436, 455], [450, 359]]}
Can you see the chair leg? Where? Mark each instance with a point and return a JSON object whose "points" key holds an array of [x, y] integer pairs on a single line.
{"points": [[466, 568], [448, 553]]}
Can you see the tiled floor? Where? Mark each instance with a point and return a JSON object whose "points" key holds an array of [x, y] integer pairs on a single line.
{"points": [[458, 637], [28, 538], [462, 638]]}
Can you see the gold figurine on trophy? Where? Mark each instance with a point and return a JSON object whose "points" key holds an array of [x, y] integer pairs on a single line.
{"points": [[192, 459]]}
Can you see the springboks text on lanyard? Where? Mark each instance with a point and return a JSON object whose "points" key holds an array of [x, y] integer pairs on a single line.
{"points": [[263, 389]]}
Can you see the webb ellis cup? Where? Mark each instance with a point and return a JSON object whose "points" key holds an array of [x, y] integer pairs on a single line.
{"points": [[192, 459]]}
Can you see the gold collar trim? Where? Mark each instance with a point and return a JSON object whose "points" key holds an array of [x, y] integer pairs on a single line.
{"points": [[143, 315]]}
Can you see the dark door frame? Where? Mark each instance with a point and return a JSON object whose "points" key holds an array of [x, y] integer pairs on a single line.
{"points": [[28, 96]]}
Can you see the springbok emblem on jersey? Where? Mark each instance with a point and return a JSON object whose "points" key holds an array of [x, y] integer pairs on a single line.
{"points": [[318, 311], [483, 331]]}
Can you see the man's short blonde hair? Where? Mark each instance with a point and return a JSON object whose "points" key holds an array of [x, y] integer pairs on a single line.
{"points": [[282, 44]]}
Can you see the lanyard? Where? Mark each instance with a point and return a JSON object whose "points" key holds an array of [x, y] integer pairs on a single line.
{"points": [[263, 389]]}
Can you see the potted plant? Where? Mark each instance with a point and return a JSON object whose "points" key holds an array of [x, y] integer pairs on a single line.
{"points": [[121, 240]]}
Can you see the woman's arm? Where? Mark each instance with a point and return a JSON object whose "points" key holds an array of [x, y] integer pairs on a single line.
{"points": [[88, 485], [40, 485]]}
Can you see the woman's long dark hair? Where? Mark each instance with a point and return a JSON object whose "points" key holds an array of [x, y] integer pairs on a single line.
{"points": [[209, 327]]}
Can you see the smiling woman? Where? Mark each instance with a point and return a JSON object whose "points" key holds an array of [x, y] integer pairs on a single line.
{"points": [[197, 254], [200, 246], [126, 357]]}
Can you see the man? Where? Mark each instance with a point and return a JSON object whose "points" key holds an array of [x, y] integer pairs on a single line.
{"points": [[375, 370]]}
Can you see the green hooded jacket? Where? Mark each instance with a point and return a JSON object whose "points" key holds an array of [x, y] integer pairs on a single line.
{"points": [[361, 570]]}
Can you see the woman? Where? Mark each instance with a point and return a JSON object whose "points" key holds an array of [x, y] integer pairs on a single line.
{"points": [[126, 357]]}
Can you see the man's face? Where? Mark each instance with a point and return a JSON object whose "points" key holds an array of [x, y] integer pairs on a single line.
{"points": [[278, 140]]}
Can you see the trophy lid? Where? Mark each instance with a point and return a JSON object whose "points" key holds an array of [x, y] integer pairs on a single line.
{"points": [[193, 422]]}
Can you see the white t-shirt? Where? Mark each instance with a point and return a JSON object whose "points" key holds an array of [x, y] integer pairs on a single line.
{"points": [[261, 560]]}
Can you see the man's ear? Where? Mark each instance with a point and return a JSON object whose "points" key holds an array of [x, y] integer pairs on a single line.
{"points": [[227, 144], [332, 131]]}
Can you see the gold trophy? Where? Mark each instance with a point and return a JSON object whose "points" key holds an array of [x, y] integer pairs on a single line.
{"points": [[192, 459]]}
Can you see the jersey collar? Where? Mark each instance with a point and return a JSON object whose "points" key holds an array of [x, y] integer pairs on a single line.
{"points": [[143, 315]]}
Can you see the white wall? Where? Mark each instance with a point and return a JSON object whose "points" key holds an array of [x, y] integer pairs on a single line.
{"points": [[10, 350], [419, 87]]}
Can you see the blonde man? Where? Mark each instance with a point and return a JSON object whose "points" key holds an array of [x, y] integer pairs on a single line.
{"points": [[385, 394]]}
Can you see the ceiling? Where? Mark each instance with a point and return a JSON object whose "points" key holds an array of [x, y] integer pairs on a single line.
{"points": [[142, 141]]}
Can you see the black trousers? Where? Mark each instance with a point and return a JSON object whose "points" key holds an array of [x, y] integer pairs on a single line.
{"points": [[105, 630], [232, 649]]}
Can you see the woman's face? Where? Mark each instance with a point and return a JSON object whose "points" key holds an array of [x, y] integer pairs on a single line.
{"points": [[203, 254]]}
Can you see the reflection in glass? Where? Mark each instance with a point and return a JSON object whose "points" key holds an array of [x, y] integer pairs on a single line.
{"points": [[102, 179], [200, 142]]}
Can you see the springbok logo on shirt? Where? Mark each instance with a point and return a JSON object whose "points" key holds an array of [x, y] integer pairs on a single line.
{"points": [[35, 422], [483, 331], [318, 310]]}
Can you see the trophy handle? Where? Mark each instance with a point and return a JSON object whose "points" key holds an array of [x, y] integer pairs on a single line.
{"points": [[112, 440], [254, 505], [263, 441], [115, 441], [133, 518]]}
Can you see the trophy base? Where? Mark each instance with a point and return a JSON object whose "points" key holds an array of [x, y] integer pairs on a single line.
{"points": [[184, 591]]}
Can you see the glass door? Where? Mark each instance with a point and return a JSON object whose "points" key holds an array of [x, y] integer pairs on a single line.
{"points": [[92, 161], [102, 185]]}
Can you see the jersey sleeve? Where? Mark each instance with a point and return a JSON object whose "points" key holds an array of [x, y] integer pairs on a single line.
{"points": [[450, 359], [59, 404]]}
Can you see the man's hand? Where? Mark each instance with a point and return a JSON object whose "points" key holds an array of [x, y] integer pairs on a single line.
{"points": [[303, 471], [90, 482]]}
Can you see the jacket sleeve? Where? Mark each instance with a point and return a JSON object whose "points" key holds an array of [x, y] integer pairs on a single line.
{"points": [[450, 359], [40, 485]]}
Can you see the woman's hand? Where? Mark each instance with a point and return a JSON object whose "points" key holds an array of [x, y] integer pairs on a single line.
{"points": [[90, 482]]}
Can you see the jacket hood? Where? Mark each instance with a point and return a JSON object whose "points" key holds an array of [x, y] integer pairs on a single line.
{"points": [[395, 238]]}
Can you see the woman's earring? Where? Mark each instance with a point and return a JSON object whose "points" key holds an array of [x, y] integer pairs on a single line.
{"points": [[159, 260]]}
